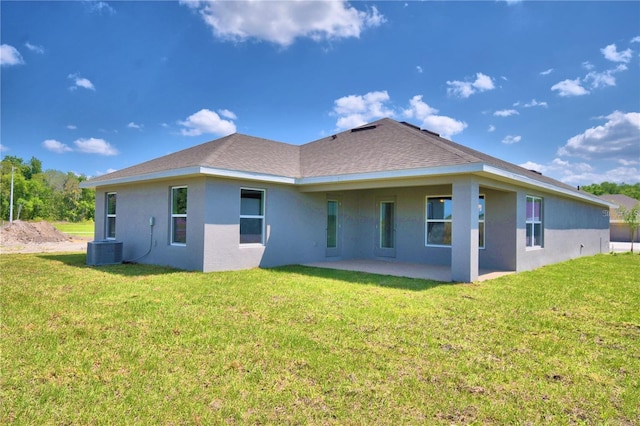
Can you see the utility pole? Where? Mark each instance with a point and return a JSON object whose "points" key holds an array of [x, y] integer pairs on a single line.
{"points": [[11, 198]]}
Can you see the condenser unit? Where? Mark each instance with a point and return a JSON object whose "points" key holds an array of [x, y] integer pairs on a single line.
{"points": [[106, 252]]}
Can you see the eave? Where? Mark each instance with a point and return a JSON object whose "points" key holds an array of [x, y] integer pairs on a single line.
{"points": [[367, 180]]}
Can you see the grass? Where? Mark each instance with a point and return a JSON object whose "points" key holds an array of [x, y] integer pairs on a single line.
{"points": [[141, 344], [76, 229]]}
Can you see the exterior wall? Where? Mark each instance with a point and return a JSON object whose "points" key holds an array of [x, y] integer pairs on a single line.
{"points": [[294, 226], [620, 233], [500, 230], [136, 204], [361, 224], [360, 232], [571, 229]]}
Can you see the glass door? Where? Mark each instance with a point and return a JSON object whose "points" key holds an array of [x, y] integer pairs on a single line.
{"points": [[333, 228], [386, 235]]}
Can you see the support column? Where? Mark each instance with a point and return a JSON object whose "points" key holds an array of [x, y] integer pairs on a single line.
{"points": [[464, 233]]}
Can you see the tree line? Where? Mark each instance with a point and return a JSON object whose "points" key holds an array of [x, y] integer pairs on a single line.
{"points": [[606, 188], [43, 195], [57, 196]]}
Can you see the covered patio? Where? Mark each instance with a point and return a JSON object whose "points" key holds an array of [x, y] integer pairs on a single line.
{"points": [[402, 269]]}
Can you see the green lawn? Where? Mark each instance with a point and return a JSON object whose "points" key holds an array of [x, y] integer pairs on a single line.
{"points": [[134, 344], [76, 229]]}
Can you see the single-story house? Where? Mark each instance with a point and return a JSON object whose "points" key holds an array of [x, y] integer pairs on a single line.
{"points": [[619, 230], [385, 190]]}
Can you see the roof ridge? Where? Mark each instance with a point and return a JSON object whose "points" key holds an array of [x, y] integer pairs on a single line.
{"points": [[435, 138], [224, 142]]}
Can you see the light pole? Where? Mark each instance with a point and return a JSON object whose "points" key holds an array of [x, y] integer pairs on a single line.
{"points": [[11, 198]]}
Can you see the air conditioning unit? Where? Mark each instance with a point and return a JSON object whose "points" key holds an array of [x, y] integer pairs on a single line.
{"points": [[105, 252]]}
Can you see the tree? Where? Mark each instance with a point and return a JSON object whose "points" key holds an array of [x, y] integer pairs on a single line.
{"points": [[48, 195], [631, 218], [631, 190]]}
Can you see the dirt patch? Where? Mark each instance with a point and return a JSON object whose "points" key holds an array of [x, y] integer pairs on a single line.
{"points": [[37, 237]]}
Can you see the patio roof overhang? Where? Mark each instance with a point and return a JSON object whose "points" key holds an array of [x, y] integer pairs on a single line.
{"points": [[490, 176]]}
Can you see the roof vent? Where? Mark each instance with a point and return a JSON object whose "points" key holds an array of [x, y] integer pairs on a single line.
{"points": [[536, 172], [431, 133], [360, 129], [413, 126]]}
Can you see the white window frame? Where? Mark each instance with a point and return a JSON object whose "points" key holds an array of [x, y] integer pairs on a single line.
{"points": [[531, 222], [337, 224], [250, 216], [428, 221], [177, 215], [393, 224], [481, 244], [108, 216]]}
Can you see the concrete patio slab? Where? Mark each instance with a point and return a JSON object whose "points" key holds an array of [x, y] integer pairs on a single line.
{"points": [[402, 269]]}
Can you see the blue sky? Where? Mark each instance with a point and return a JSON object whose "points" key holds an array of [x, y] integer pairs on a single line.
{"points": [[92, 87]]}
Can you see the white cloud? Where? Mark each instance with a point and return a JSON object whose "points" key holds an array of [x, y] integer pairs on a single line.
{"points": [[570, 88], [605, 78], [419, 69], [611, 53], [636, 39], [56, 146], [9, 55], [559, 168], [588, 65], [530, 165], [95, 146], [99, 7], [356, 110], [206, 121], [72, 127], [583, 173], [506, 113], [511, 139], [491, 128], [80, 82], [626, 162], [464, 89], [445, 126], [535, 103], [34, 48], [546, 72], [133, 125], [618, 138], [4, 148], [283, 22], [228, 114]]}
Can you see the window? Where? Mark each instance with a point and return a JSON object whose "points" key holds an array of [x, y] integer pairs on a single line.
{"points": [[481, 206], [332, 224], [387, 223], [251, 216], [110, 222], [534, 221], [179, 215], [440, 217]]}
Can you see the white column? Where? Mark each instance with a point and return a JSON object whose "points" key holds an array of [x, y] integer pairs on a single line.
{"points": [[464, 238]]}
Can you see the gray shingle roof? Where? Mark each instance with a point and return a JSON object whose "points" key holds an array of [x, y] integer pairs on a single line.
{"points": [[622, 201], [382, 146], [233, 152]]}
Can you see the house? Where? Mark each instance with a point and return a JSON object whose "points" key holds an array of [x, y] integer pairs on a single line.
{"points": [[385, 190], [619, 230]]}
